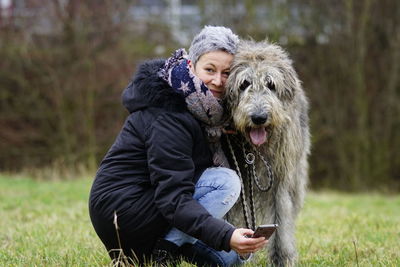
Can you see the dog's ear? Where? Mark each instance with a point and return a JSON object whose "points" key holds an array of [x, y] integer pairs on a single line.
{"points": [[291, 82], [231, 96]]}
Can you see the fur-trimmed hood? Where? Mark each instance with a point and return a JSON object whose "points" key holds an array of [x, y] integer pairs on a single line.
{"points": [[147, 89]]}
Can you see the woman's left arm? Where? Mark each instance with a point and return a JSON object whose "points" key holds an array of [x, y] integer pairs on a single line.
{"points": [[169, 143]]}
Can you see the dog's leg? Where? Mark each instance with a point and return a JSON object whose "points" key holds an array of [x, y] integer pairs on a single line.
{"points": [[282, 245], [298, 192]]}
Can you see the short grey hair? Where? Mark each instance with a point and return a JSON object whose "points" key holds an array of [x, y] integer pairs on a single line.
{"points": [[213, 38]]}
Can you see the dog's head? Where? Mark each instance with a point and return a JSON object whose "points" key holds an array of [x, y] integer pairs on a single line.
{"points": [[260, 88]]}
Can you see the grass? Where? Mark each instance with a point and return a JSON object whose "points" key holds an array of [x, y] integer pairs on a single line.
{"points": [[46, 223]]}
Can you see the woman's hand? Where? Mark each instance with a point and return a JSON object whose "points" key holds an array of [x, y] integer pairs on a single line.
{"points": [[242, 244]]}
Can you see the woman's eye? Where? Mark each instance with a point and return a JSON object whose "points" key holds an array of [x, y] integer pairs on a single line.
{"points": [[210, 70], [226, 73]]}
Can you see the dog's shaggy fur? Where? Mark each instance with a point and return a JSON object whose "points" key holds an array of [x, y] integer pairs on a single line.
{"points": [[269, 108]]}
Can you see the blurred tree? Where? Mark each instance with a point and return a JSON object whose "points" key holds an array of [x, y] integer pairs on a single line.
{"points": [[64, 64], [60, 91], [350, 76]]}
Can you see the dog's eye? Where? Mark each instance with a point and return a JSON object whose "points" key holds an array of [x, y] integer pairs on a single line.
{"points": [[270, 84], [244, 85]]}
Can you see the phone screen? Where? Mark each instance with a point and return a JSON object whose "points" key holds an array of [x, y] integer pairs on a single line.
{"points": [[265, 230]]}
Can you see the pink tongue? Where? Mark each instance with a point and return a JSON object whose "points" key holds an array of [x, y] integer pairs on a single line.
{"points": [[258, 136]]}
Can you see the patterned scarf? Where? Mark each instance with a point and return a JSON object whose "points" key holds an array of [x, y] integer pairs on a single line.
{"points": [[200, 101]]}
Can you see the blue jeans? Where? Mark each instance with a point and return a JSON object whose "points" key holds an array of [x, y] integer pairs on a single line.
{"points": [[217, 190]]}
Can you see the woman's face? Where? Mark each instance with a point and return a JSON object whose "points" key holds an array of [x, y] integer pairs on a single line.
{"points": [[213, 69]]}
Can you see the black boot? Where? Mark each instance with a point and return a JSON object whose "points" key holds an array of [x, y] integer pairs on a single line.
{"points": [[195, 254], [164, 253]]}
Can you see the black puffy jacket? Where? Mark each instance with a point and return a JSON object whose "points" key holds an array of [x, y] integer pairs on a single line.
{"points": [[149, 173]]}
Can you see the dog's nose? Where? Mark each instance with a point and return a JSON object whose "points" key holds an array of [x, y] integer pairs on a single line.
{"points": [[259, 119]]}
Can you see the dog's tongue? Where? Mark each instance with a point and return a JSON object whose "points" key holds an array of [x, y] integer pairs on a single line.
{"points": [[258, 136]]}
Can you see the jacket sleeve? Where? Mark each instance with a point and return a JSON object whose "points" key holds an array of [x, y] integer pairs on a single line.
{"points": [[169, 143]]}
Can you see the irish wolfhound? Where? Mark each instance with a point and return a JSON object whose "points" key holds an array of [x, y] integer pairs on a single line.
{"points": [[270, 112]]}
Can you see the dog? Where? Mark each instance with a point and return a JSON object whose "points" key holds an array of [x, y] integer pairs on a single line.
{"points": [[269, 111]]}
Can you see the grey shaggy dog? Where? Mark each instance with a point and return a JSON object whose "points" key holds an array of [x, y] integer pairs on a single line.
{"points": [[270, 110]]}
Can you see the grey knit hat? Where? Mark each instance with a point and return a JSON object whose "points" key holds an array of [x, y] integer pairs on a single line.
{"points": [[212, 38]]}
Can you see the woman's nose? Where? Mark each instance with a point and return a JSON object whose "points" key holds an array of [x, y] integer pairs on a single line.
{"points": [[217, 81]]}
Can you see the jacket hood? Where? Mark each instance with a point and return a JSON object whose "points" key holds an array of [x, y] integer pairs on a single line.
{"points": [[147, 89]]}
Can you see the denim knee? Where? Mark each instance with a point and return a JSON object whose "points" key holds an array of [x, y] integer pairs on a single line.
{"points": [[226, 179]]}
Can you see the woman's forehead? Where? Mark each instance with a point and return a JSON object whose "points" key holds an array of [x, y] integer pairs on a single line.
{"points": [[217, 58]]}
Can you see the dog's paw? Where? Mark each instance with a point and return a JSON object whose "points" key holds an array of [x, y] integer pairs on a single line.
{"points": [[287, 260]]}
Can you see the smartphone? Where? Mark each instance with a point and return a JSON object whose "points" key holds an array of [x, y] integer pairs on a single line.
{"points": [[265, 230]]}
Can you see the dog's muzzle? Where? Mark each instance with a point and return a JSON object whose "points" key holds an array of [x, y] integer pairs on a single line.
{"points": [[259, 119], [258, 133]]}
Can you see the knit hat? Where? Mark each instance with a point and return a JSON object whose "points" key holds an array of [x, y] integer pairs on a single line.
{"points": [[213, 38]]}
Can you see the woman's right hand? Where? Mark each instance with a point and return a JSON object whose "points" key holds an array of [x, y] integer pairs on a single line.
{"points": [[242, 244]]}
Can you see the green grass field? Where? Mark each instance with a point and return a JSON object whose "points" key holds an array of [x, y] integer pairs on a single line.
{"points": [[47, 224]]}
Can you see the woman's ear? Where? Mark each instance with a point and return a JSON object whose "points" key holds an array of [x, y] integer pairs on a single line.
{"points": [[191, 66]]}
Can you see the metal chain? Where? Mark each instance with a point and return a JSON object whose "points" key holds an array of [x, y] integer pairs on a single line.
{"points": [[250, 161], [270, 173], [251, 193], [242, 192], [268, 167]]}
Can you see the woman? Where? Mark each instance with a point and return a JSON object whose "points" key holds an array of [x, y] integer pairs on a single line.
{"points": [[158, 176]]}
